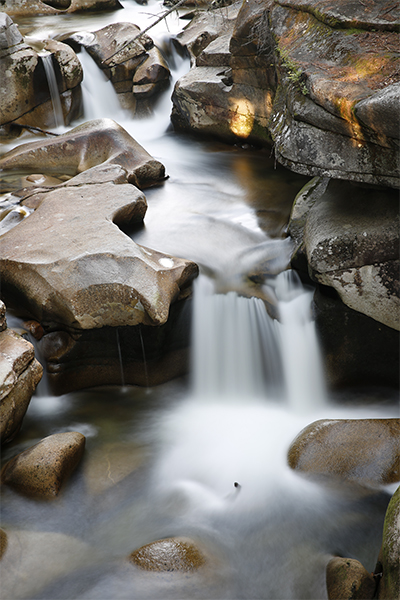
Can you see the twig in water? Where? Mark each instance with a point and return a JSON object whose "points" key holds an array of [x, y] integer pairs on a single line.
{"points": [[31, 128], [145, 30]]}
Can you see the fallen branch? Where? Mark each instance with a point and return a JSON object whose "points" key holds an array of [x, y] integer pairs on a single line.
{"points": [[137, 36], [31, 128]]}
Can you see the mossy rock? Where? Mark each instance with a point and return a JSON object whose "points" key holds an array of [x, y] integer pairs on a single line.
{"points": [[170, 554]]}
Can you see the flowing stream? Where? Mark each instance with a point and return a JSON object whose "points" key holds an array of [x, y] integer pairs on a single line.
{"points": [[174, 453]]}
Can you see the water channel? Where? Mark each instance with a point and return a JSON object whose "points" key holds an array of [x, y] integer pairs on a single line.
{"points": [[175, 451]]}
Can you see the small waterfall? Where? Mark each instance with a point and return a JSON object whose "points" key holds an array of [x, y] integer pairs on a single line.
{"points": [[305, 385], [99, 97], [47, 60], [235, 346], [121, 364]]}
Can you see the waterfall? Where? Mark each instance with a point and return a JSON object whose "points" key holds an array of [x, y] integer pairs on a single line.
{"points": [[99, 97], [47, 60], [304, 378], [241, 353]]}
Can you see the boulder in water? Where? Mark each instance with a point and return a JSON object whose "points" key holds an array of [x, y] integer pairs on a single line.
{"points": [[170, 554], [366, 451], [347, 579], [42, 470]]}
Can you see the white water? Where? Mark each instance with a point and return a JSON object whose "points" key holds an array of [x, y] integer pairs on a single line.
{"points": [[53, 87]]}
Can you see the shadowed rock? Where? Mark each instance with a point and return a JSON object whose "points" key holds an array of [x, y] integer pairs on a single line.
{"points": [[363, 450], [41, 471]]}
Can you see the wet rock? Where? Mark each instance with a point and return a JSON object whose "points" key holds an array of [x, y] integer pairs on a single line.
{"points": [[97, 142], [387, 569], [347, 579], [170, 554], [26, 99], [54, 7], [34, 559], [83, 272], [365, 450], [110, 464], [42, 470], [348, 235], [20, 373]]}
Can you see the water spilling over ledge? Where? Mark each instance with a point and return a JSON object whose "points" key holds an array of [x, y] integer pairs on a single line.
{"points": [[200, 462]]}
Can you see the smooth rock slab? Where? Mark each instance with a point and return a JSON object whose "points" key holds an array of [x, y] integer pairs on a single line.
{"points": [[363, 450], [54, 7], [170, 554], [101, 141], [41, 471]]}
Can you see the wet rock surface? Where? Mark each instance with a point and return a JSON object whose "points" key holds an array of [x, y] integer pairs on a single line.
{"points": [[20, 373], [364, 450], [42, 470], [171, 554]]}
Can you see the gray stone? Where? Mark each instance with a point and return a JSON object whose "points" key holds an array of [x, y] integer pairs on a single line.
{"points": [[389, 557], [347, 579], [352, 244], [9, 33], [54, 7]]}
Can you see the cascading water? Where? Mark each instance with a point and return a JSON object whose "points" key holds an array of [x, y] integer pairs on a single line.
{"points": [[256, 383], [47, 61]]}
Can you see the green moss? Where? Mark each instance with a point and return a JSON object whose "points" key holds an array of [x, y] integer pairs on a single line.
{"points": [[293, 72]]}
